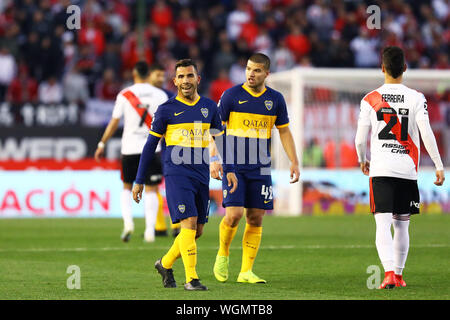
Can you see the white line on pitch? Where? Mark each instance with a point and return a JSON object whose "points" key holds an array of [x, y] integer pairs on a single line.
{"points": [[150, 247]]}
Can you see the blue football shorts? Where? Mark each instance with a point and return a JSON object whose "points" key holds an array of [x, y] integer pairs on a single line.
{"points": [[187, 197], [254, 191]]}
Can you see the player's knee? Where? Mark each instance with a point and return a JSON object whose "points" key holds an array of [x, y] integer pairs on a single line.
{"points": [[255, 217], [233, 217]]}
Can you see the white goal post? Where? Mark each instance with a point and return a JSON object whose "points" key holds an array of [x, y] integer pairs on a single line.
{"points": [[323, 105]]}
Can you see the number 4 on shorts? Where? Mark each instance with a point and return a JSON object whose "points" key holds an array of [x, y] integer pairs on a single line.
{"points": [[266, 192]]}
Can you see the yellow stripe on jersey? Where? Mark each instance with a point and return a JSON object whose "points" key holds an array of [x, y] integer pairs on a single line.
{"points": [[250, 125], [187, 102], [194, 135], [256, 95], [282, 125], [218, 134], [155, 134]]}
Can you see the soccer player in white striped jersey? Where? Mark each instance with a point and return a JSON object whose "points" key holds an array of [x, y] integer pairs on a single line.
{"points": [[136, 104], [396, 114]]}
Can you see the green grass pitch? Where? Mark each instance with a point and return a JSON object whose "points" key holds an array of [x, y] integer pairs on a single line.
{"points": [[301, 258]]}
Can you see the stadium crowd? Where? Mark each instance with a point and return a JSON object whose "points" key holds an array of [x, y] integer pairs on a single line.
{"points": [[41, 60]]}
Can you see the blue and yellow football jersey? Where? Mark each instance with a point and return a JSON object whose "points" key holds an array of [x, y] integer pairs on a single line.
{"points": [[249, 120], [186, 129]]}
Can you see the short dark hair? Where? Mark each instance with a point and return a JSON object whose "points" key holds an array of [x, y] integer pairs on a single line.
{"points": [[156, 67], [185, 63], [394, 61], [142, 69], [261, 58]]}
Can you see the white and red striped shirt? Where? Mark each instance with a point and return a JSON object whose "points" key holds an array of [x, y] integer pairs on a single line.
{"points": [[137, 104], [396, 114]]}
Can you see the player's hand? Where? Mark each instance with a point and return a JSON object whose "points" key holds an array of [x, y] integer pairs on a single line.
{"points": [[216, 170], [99, 153], [440, 177], [365, 167], [295, 173], [232, 181], [137, 192]]}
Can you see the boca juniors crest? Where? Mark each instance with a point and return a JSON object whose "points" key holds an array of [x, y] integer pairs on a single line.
{"points": [[204, 112], [268, 104], [182, 208]]}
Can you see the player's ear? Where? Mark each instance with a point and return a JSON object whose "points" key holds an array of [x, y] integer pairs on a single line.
{"points": [[404, 67], [198, 79], [382, 68]]}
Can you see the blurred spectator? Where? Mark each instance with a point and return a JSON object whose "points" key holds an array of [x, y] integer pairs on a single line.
{"points": [[282, 58], [365, 50], [111, 58], [51, 60], [321, 18], [237, 71], [23, 88], [263, 43], [8, 70], [298, 43], [249, 32], [75, 86], [108, 87], [92, 36], [224, 58], [236, 19], [50, 91], [219, 85], [161, 14], [186, 27], [31, 51]]}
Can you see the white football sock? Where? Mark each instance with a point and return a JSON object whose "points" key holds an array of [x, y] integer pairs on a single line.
{"points": [[151, 204], [383, 240], [126, 199], [401, 244]]}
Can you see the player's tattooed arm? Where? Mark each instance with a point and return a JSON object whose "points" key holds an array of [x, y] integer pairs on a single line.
{"points": [[215, 167]]}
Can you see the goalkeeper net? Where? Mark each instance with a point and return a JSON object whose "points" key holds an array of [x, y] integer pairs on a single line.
{"points": [[323, 106]]}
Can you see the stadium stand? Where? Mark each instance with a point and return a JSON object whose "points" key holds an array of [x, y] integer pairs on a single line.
{"points": [[292, 32]]}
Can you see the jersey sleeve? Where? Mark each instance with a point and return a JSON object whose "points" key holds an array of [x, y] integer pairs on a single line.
{"points": [[159, 123], [216, 123], [364, 114], [421, 109], [225, 106], [119, 106], [282, 114]]}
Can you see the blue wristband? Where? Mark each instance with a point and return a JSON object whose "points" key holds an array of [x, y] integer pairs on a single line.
{"points": [[214, 159]]}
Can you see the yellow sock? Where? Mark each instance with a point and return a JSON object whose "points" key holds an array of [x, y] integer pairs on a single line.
{"points": [[226, 235], [160, 224], [188, 249], [172, 255], [250, 246]]}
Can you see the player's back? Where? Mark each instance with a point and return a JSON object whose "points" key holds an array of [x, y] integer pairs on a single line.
{"points": [[137, 104], [393, 110]]}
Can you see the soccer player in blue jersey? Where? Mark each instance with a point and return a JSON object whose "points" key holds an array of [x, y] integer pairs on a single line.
{"points": [[250, 110], [186, 121]]}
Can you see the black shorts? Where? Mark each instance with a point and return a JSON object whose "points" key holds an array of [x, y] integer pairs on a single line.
{"points": [[395, 195], [130, 165]]}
